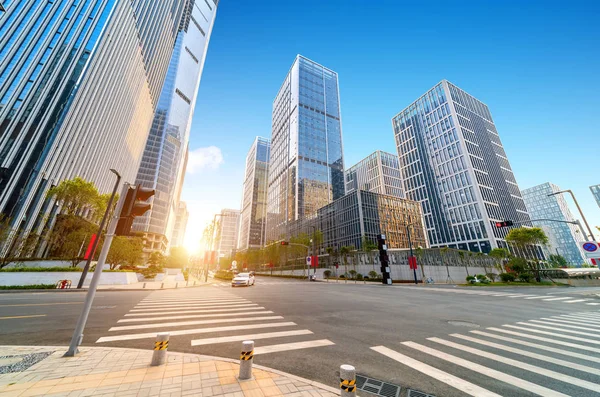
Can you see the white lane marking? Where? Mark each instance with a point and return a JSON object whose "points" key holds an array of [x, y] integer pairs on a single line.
{"points": [[577, 301], [542, 339], [551, 322], [568, 331], [537, 297], [519, 364], [568, 364], [163, 312], [236, 338], [519, 296], [537, 346], [558, 299], [492, 373], [592, 304], [537, 331], [292, 346], [197, 322], [133, 320], [450, 380], [195, 331], [182, 300], [169, 309], [179, 303], [582, 320]]}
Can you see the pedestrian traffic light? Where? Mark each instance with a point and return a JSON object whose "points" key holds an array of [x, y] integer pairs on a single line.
{"points": [[504, 224], [134, 205], [285, 243]]}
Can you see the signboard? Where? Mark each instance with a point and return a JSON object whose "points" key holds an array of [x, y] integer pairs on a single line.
{"points": [[590, 248], [308, 260]]}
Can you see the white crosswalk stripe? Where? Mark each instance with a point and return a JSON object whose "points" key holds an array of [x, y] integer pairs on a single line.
{"points": [[511, 347], [223, 317]]}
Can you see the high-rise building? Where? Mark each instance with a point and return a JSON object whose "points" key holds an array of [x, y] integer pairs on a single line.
{"points": [[79, 84], [181, 220], [563, 237], [379, 172], [254, 202], [163, 164], [596, 192], [453, 162], [227, 232], [306, 169]]}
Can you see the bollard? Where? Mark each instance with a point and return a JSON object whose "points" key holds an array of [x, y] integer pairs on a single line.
{"points": [[162, 285], [144, 286], [347, 380], [159, 357], [176, 285], [246, 359], [194, 283]]}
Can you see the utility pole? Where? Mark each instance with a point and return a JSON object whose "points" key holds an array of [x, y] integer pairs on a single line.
{"points": [[412, 262], [579, 209], [89, 299], [86, 268]]}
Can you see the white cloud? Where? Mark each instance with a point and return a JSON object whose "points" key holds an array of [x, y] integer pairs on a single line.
{"points": [[204, 158]]}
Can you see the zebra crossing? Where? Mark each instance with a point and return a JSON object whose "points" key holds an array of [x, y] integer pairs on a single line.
{"points": [[513, 295], [210, 318], [259, 283], [551, 356]]}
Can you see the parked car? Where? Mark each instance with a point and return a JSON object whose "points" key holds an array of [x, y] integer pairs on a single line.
{"points": [[242, 279]]}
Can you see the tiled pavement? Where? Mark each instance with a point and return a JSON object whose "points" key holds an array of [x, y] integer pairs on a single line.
{"points": [[101, 371]]}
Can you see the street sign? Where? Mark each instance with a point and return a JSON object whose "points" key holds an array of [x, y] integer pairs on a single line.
{"points": [[308, 260], [590, 248], [234, 265]]}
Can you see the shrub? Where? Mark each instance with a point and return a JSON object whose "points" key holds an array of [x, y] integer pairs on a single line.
{"points": [[359, 277], [35, 286], [507, 277], [223, 275], [372, 274], [525, 277], [352, 274], [150, 271], [327, 273], [470, 279], [517, 265], [41, 269], [342, 276], [492, 276], [481, 277]]}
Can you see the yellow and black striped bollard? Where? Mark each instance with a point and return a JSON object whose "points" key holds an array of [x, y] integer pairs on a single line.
{"points": [[347, 380], [246, 359], [160, 349]]}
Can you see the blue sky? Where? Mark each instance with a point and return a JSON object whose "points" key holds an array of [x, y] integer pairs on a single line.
{"points": [[534, 63]]}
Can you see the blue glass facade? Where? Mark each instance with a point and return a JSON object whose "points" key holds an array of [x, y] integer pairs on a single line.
{"points": [[453, 162], [596, 192], [563, 238], [163, 163], [307, 164], [73, 101]]}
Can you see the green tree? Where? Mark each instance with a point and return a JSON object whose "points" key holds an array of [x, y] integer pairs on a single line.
{"points": [[178, 258], [125, 251], [68, 229], [75, 195], [500, 255], [157, 259], [557, 261], [74, 246], [526, 239], [327, 274], [344, 251], [367, 245]]}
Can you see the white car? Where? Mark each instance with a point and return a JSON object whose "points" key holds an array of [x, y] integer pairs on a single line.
{"points": [[242, 279]]}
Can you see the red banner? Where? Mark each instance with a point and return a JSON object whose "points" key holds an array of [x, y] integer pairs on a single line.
{"points": [[88, 252], [314, 261], [412, 262]]}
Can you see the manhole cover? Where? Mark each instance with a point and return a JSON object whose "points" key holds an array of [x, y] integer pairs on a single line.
{"points": [[460, 323], [377, 387]]}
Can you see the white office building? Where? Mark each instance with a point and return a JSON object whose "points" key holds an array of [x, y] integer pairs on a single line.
{"points": [[379, 173]]}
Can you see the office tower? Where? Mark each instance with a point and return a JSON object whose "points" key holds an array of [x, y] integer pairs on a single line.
{"points": [[379, 172], [181, 220], [79, 84], [254, 201], [596, 192], [306, 169], [453, 162], [163, 163], [364, 214], [227, 233], [563, 237]]}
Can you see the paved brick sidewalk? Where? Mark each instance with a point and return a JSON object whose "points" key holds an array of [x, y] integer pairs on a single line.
{"points": [[101, 371]]}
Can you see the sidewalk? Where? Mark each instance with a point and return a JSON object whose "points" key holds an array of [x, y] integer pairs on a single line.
{"points": [[102, 371]]}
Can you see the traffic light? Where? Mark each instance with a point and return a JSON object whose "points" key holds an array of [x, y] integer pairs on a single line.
{"points": [[133, 206], [504, 224], [285, 243], [386, 276]]}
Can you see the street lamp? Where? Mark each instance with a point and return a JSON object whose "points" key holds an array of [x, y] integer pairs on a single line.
{"points": [[579, 208]]}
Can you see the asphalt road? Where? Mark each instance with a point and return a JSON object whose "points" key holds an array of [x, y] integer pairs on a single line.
{"points": [[309, 329]]}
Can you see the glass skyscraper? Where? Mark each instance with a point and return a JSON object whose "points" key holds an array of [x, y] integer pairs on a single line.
{"points": [[563, 238], [306, 170], [227, 234], [254, 201], [379, 172], [181, 220], [163, 163], [453, 162], [79, 83], [596, 192]]}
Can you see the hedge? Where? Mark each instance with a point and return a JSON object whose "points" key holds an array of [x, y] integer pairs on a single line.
{"points": [[35, 286], [41, 269]]}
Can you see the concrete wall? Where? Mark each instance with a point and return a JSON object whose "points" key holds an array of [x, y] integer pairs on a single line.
{"points": [[32, 278], [50, 263]]}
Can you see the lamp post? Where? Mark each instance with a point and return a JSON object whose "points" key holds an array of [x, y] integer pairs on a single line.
{"points": [[578, 208], [312, 240]]}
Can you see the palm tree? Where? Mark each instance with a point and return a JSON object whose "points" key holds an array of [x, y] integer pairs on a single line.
{"points": [[344, 251]]}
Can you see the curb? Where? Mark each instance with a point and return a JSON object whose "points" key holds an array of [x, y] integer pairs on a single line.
{"points": [[215, 358]]}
